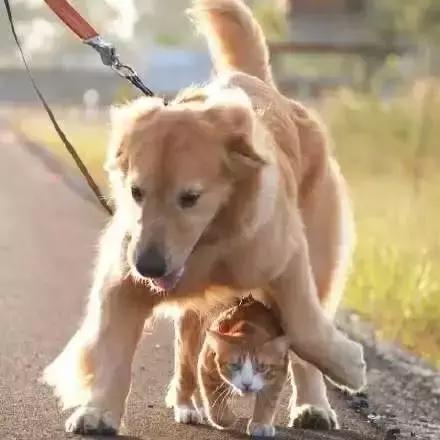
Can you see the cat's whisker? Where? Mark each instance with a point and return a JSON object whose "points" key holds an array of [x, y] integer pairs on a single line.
{"points": [[221, 392], [233, 398], [216, 406], [224, 403], [221, 385]]}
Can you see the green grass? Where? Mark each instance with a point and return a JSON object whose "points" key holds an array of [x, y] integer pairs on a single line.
{"points": [[89, 137], [390, 154]]}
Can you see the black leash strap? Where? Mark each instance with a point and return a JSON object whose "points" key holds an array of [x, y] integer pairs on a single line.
{"points": [[70, 148]]}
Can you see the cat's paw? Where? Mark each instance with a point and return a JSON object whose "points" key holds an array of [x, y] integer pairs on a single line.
{"points": [[313, 417], [221, 419], [187, 414], [90, 420], [260, 430]]}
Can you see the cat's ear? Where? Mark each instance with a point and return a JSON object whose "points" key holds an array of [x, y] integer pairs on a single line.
{"points": [[276, 347], [219, 342]]}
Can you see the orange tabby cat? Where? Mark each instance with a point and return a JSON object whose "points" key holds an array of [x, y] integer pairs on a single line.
{"points": [[244, 352]]}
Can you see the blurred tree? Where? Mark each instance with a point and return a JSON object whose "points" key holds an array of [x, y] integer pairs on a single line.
{"points": [[414, 20], [131, 25], [272, 18], [418, 23]]}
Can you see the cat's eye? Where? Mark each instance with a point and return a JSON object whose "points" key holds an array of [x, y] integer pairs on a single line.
{"points": [[261, 368], [137, 193], [235, 367], [187, 199]]}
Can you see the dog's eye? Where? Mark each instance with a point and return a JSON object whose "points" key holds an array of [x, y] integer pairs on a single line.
{"points": [[136, 193], [187, 199]]}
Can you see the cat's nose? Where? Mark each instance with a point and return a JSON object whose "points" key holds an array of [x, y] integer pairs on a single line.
{"points": [[247, 386]]}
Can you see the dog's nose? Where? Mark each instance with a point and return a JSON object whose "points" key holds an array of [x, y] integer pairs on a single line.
{"points": [[151, 263]]}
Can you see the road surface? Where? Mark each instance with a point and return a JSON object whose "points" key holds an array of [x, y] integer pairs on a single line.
{"points": [[49, 226]]}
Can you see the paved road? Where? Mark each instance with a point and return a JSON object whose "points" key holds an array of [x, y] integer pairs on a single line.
{"points": [[48, 231]]}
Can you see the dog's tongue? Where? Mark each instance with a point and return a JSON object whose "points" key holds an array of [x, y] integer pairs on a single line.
{"points": [[168, 282]]}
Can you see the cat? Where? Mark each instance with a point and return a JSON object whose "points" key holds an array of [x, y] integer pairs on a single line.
{"points": [[244, 352]]}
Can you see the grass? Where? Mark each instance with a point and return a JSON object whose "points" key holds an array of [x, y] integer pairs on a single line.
{"points": [[88, 135], [390, 154]]}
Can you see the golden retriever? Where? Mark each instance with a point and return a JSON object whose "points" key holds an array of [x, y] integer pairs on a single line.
{"points": [[227, 189]]}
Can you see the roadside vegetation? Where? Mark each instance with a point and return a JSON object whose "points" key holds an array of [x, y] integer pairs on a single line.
{"points": [[390, 155]]}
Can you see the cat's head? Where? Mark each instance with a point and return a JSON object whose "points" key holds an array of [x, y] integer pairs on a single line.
{"points": [[246, 366]]}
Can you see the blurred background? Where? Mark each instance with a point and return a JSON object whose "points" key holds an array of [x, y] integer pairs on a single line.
{"points": [[369, 67]]}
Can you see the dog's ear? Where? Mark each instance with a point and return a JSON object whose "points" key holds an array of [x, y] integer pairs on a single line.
{"points": [[240, 139], [232, 113], [122, 119], [119, 117]]}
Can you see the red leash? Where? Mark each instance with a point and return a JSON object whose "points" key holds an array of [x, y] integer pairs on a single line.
{"points": [[72, 19], [77, 24], [88, 35]]}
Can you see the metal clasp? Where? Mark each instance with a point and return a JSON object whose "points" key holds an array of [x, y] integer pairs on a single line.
{"points": [[110, 58]]}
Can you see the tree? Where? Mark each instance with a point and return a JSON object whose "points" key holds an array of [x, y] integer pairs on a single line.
{"points": [[414, 20]]}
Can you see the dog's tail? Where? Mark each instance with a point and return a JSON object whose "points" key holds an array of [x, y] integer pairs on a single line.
{"points": [[235, 39]]}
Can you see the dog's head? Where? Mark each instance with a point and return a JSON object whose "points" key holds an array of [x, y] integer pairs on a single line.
{"points": [[172, 169]]}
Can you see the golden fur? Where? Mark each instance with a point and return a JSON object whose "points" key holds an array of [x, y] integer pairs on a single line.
{"points": [[230, 188]]}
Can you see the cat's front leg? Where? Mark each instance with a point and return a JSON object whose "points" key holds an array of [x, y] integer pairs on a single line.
{"points": [[215, 394], [266, 403], [216, 404]]}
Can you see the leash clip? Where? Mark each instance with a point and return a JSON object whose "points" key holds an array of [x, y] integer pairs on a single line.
{"points": [[110, 58], [106, 50]]}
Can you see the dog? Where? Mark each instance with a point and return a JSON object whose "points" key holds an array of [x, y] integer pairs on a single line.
{"points": [[229, 188]]}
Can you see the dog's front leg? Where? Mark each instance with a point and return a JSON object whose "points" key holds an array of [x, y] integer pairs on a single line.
{"points": [[312, 335], [183, 393], [93, 373]]}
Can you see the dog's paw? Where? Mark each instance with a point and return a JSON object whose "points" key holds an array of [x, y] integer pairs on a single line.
{"points": [[171, 397], [313, 417], [260, 430], [350, 370], [90, 420], [187, 414]]}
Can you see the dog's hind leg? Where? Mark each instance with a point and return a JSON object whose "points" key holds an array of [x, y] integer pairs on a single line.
{"points": [[330, 246], [183, 391], [313, 336], [309, 406], [93, 373]]}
